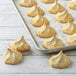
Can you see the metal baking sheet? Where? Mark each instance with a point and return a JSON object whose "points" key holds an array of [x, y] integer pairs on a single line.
{"points": [[22, 11]]}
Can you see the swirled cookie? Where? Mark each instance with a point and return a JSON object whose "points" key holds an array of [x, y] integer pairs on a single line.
{"points": [[52, 42], [45, 31], [27, 3], [33, 11], [12, 56], [60, 60], [56, 8], [20, 44], [72, 39], [72, 4], [69, 28], [39, 20], [47, 1], [64, 17]]}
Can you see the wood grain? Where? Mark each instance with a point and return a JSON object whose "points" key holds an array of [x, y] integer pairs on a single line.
{"points": [[13, 33], [7, 9], [5, 1], [10, 20], [37, 74]]}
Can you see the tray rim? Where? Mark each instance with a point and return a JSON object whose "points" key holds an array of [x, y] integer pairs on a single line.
{"points": [[46, 51]]}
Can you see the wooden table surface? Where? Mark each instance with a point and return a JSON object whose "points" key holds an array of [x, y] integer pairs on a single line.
{"points": [[35, 63]]}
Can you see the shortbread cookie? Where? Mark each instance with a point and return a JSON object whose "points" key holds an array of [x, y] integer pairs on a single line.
{"points": [[64, 17], [60, 60], [39, 20], [53, 42], [33, 11], [69, 28], [56, 8], [45, 31], [12, 56], [20, 44], [27, 3], [72, 4], [72, 39]]}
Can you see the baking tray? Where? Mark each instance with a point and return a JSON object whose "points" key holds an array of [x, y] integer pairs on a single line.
{"points": [[22, 12]]}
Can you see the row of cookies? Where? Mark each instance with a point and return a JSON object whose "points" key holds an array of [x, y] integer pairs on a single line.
{"points": [[42, 32], [60, 60], [30, 3], [64, 17], [53, 41], [14, 56], [71, 4], [39, 20], [13, 53], [45, 30]]}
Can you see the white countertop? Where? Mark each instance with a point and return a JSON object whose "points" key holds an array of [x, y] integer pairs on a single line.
{"points": [[35, 63]]}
